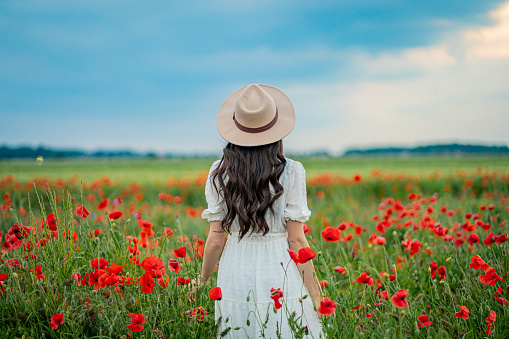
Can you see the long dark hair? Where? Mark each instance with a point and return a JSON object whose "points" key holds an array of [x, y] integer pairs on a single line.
{"points": [[245, 176]]}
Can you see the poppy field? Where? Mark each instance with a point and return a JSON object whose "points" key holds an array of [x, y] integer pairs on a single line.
{"points": [[404, 254]]}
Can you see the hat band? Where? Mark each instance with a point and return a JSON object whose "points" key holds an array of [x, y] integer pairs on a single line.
{"points": [[257, 129]]}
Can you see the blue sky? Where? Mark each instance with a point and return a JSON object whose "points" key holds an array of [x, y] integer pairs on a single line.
{"points": [[152, 75]]}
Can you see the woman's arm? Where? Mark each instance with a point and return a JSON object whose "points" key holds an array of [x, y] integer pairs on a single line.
{"points": [[212, 250], [296, 241]]}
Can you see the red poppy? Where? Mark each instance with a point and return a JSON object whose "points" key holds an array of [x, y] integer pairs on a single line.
{"points": [[82, 211], [306, 254], [215, 293], [392, 277], [463, 313], [294, 256], [275, 294], [442, 271], [12, 263], [433, 269], [180, 252], [473, 239], [153, 266], [327, 306], [423, 321], [168, 231], [103, 203], [174, 266], [478, 263], [489, 329], [490, 278], [183, 281], [137, 321], [398, 299], [114, 269], [3, 277], [502, 301], [340, 269], [499, 239], [98, 263], [491, 317], [52, 223], [200, 312], [145, 224], [365, 279], [499, 292], [331, 234], [38, 272], [147, 283], [93, 278], [385, 294], [56, 320], [67, 234], [490, 239], [115, 215]]}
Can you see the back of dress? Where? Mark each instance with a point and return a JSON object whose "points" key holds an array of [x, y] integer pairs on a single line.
{"points": [[251, 267]]}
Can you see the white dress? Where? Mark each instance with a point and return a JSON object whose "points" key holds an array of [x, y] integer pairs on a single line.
{"points": [[252, 267]]}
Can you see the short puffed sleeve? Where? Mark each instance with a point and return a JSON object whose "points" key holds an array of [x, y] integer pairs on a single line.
{"points": [[216, 208], [296, 207]]}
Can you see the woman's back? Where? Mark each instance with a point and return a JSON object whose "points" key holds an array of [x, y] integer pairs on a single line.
{"points": [[256, 264]]}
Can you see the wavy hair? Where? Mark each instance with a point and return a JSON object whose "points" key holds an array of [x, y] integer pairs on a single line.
{"points": [[248, 179]]}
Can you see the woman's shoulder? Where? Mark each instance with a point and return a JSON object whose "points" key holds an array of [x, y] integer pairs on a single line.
{"points": [[295, 167]]}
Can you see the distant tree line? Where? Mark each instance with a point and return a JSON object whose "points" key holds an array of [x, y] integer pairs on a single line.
{"points": [[21, 152], [24, 152], [432, 149]]}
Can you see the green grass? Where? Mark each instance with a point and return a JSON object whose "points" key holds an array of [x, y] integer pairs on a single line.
{"points": [[146, 171]]}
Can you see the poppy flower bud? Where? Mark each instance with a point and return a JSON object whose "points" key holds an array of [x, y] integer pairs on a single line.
{"points": [[300, 300], [448, 259], [319, 253], [236, 328], [15, 275]]}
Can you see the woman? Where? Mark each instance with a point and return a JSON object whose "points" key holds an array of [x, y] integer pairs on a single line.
{"points": [[258, 197]]}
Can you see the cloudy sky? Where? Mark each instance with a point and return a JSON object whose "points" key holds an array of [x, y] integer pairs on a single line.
{"points": [[152, 75]]}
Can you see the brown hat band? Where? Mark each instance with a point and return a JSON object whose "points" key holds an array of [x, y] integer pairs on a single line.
{"points": [[257, 129]]}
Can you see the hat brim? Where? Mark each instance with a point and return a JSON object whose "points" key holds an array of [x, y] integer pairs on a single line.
{"points": [[284, 125]]}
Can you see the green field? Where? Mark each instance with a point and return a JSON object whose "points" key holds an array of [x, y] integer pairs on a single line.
{"points": [[159, 170]]}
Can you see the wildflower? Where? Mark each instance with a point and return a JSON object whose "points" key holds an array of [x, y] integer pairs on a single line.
{"points": [[491, 317], [490, 239], [153, 266], [200, 312], [340, 269], [463, 313], [183, 281], [473, 239], [3, 277], [365, 279], [327, 306], [423, 321], [56, 320], [433, 269], [114, 269], [215, 293], [478, 263], [398, 299], [147, 283], [115, 215], [490, 278], [275, 294], [331, 234], [442, 271], [489, 329], [52, 223], [82, 211], [306, 254], [499, 239], [180, 252], [174, 266], [103, 204], [137, 321], [98, 263]]}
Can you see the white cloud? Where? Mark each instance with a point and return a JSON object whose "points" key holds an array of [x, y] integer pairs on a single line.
{"points": [[456, 90]]}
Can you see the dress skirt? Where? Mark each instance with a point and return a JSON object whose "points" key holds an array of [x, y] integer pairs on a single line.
{"points": [[248, 270]]}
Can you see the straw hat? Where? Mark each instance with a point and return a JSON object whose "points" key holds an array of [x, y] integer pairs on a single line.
{"points": [[256, 115]]}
